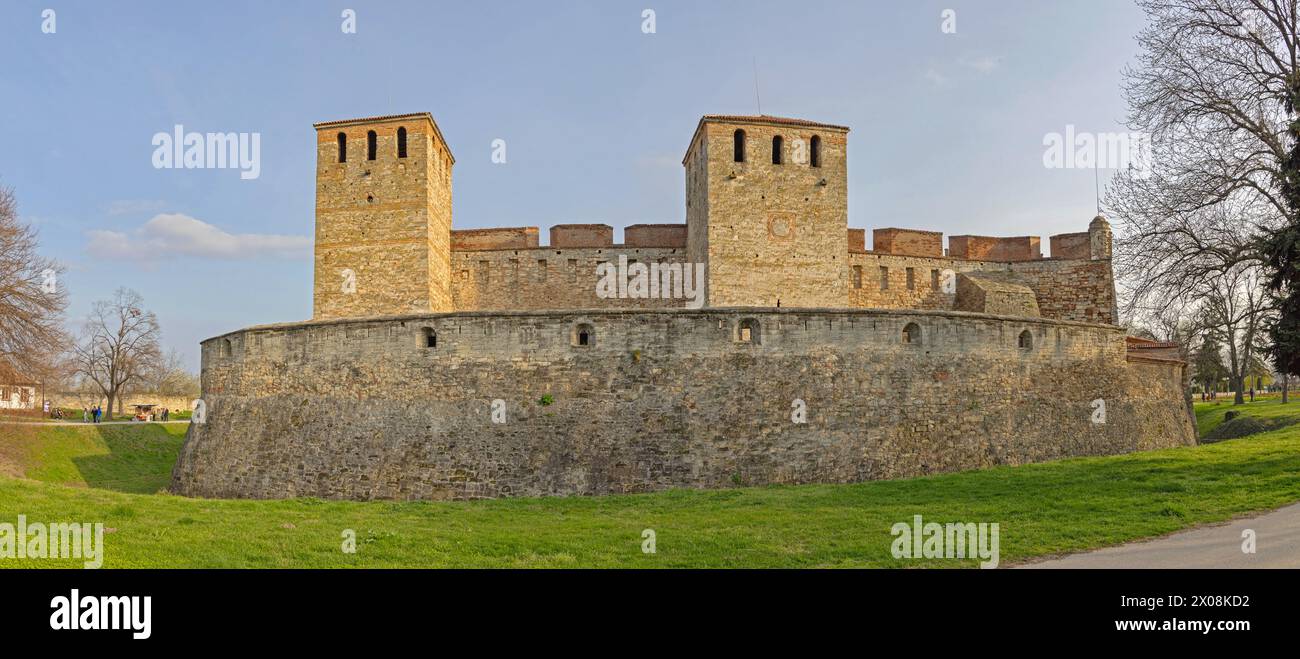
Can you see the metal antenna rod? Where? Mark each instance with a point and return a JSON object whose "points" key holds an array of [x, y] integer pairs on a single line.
{"points": [[1096, 181], [757, 99]]}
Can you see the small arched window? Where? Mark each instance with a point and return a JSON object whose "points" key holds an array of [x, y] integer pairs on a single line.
{"points": [[815, 152], [1026, 340], [227, 349], [372, 143], [749, 331], [738, 145], [777, 143], [343, 147], [912, 334], [401, 142], [429, 338], [584, 335]]}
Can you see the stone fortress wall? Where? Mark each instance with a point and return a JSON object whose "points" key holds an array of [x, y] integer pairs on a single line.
{"points": [[909, 359], [659, 399]]}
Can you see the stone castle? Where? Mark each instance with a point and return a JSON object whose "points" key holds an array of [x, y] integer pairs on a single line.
{"points": [[446, 363]]}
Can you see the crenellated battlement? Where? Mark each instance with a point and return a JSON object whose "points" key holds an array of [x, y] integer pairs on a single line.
{"points": [[894, 241], [766, 219]]}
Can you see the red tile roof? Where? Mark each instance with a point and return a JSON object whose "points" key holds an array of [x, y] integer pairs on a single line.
{"points": [[767, 119], [367, 120]]}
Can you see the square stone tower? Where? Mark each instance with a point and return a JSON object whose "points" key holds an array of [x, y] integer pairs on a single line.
{"points": [[767, 210], [383, 217]]}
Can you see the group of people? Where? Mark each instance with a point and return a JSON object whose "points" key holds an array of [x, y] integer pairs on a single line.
{"points": [[1214, 395], [92, 415], [96, 414]]}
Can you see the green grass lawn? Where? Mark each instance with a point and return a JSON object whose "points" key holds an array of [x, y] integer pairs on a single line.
{"points": [[1042, 509]]}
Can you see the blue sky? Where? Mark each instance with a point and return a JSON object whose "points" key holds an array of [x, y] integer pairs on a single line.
{"points": [[947, 129]]}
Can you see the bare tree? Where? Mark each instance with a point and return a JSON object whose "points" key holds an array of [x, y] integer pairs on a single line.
{"points": [[1234, 314], [167, 376], [119, 343], [1213, 90], [32, 301]]}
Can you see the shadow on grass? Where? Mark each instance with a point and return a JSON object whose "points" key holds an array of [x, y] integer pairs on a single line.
{"points": [[139, 459]]}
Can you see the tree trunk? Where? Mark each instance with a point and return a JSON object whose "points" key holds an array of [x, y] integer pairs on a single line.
{"points": [[1239, 397], [1286, 380]]}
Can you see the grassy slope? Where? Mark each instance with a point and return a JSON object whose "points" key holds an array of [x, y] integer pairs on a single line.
{"points": [[123, 458], [1210, 414], [1063, 506]]}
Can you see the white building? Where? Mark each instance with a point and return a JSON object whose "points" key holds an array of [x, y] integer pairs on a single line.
{"points": [[18, 397]]}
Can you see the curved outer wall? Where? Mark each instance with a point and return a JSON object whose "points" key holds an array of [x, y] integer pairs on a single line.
{"points": [[361, 409]]}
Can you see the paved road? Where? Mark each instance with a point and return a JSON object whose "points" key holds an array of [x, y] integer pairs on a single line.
{"points": [[81, 423], [1277, 545]]}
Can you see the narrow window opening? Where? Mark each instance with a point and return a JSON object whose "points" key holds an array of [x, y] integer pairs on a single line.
{"points": [[912, 334], [430, 337], [815, 152], [777, 143], [584, 335], [343, 147], [738, 146], [911, 279], [372, 142], [748, 331], [401, 142], [884, 278], [1026, 340]]}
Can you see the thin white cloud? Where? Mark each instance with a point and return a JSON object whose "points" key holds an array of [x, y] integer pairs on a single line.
{"points": [[172, 235], [126, 206], [981, 63]]}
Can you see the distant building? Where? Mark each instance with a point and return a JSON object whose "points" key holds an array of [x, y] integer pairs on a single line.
{"points": [[18, 396]]}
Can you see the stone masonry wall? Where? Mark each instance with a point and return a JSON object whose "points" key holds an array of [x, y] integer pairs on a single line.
{"points": [[1076, 290], [771, 234], [549, 278], [383, 226], [361, 409]]}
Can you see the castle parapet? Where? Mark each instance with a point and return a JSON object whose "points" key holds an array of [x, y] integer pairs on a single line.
{"points": [[1071, 246], [582, 235], [469, 240], [907, 242], [857, 240], [985, 248], [655, 235]]}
